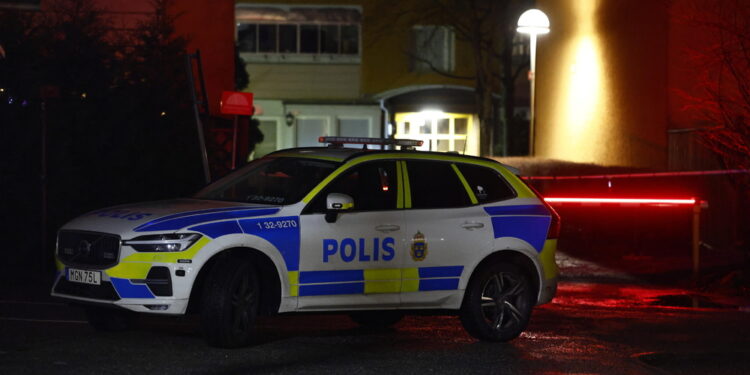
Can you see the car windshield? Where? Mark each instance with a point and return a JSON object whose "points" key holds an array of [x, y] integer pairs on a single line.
{"points": [[277, 181]]}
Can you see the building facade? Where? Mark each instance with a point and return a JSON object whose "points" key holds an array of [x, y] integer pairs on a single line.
{"points": [[617, 81], [331, 68]]}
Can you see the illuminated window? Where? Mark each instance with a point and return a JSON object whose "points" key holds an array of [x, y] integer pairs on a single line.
{"points": [[432, 49], [267, 33], [444, 132]]}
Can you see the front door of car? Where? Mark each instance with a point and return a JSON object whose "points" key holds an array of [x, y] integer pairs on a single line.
{"points": [[446, 231], [350, 258]]}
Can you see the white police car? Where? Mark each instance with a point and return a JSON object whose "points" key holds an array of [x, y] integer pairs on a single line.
{"points": [[373, 233]]}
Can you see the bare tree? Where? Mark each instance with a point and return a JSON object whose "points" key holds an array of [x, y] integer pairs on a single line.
{"points": [[488, 27], [723, 102]]}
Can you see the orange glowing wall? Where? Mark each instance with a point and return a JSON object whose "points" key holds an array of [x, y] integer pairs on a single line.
{"points": [[601, 82]]}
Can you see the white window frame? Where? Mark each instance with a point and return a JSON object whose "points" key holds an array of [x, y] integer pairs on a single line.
{"points": [[300, 57]]}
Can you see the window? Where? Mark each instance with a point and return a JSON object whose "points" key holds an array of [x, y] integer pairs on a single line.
{"points": [[270, 181], [266, 38], [487, 184], [301, 34], [444, 132], [309, 130], [309, 38], [371, 185], [287, 38], [432, 49], [435, 184]]}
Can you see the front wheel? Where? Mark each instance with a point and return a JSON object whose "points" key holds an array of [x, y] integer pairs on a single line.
{"points": [[498, 302], [230, 304]]}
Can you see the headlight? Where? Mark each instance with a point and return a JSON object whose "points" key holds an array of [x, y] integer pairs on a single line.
{"points": [[163, 242]]}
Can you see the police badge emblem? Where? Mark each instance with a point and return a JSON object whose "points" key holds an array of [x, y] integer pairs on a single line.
{"points": [[418, 247]]}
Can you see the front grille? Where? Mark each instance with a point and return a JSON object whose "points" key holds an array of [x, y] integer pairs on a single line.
{"points": [[89, 249], [105, 291]]}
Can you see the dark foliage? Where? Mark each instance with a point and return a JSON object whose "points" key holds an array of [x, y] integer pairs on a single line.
{"points": [[241, 78], [115, 107], [721, 103]]}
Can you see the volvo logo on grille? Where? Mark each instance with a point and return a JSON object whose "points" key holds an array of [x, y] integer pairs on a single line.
{"points": [[84, 248]]}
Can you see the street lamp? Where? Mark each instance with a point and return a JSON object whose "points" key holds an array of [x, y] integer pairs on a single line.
{"points": [[533, 22]]}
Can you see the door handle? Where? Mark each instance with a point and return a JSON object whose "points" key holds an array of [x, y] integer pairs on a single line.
{"points": [[387, 228], [472, 225]]}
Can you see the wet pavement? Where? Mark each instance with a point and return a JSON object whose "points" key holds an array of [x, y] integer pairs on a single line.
{"points": [[601, 322]]}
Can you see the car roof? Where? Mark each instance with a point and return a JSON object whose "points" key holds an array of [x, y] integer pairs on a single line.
{"points": [[344, 154]]}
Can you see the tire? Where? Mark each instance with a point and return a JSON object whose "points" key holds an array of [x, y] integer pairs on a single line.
{"points": [[230, 304], [110, 319], [497, 303], [376, 319]]}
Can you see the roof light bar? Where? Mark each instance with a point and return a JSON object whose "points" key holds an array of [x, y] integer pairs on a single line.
{"points": [[688, 201], [370, 141]]}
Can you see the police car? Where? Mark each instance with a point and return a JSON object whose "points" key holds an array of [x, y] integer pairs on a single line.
{"points": [[373, 233]]}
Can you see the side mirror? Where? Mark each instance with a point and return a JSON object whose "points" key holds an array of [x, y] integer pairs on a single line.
{"points": [[335, 203]]}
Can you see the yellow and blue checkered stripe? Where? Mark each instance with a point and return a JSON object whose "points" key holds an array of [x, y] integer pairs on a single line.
{"points": [[373, 281]]}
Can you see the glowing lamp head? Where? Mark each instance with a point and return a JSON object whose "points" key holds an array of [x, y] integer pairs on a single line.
{"points": [[534, 22]]}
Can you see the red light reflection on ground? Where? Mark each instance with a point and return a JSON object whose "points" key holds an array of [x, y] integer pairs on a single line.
{"points": [[611, 295]]}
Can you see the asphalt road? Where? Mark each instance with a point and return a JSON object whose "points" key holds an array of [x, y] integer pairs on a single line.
{"points": [[596, 326]]}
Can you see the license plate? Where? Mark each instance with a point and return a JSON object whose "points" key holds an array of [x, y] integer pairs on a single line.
{"points": [[84, 276]]}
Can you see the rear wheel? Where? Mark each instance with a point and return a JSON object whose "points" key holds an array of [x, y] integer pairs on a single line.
{"points": [[498, 302], [376, 319], [110, 319], [230, 304]]}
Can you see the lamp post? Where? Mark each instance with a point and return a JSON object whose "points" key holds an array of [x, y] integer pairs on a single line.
{"points": [[533, 22]]}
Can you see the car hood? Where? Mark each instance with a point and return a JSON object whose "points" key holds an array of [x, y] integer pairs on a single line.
{"points": [[163, 216]]}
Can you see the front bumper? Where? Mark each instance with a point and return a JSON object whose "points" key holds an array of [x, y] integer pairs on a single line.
{"points": [[159, 292]]}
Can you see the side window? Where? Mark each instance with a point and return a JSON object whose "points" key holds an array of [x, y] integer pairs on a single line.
{"points": [[371, 185], [487, 184], [435, 184]]}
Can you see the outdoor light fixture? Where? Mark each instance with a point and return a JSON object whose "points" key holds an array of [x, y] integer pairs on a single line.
{"points": [[533, 22], [432, 113], [289, 119]]}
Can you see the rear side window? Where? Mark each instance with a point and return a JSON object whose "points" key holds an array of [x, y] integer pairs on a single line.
{"points": [[435, 184], [487, 184]]}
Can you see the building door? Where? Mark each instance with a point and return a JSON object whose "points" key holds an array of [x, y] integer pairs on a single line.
{"points": [[440, 131]]}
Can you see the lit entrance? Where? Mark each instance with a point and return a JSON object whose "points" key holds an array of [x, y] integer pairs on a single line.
{"points": [[440, 131]]}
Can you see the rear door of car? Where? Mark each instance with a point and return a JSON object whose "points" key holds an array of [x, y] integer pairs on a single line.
{"points": [[447, 229]]}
